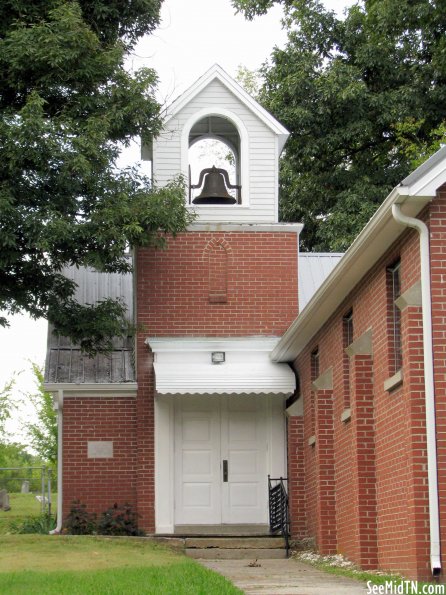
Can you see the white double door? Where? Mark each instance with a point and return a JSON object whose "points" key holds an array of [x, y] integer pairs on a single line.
{"points": [[220, 460]]}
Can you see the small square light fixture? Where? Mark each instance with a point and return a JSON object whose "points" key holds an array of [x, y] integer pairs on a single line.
{"points": [[218, 357]]}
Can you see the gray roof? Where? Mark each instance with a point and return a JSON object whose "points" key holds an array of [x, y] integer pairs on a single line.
{"points": [[314, 268], [65, 362]]}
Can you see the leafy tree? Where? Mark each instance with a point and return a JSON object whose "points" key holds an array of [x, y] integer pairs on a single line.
{"points": [[12, 454], [67, 108], [6, 406], [42, 434], [248, 79], [415, 148], [362, 96]]}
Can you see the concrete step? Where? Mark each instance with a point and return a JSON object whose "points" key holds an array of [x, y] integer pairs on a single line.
{"points": [[220, 530], [253, 554], [235, 548], [235, 542], [232, 547]]}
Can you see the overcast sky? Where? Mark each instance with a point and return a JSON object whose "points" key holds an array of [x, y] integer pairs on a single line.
{"points": [[196, 34], [192, 37]]}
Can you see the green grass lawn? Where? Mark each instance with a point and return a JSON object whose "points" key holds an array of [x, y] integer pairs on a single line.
{"points": [[99, 565], [22, 506]]}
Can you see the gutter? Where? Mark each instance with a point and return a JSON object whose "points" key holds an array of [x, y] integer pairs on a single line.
{"points": [[58, 528], [432, 473]]}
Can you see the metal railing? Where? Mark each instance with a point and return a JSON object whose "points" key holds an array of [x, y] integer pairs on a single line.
{"points": [[278, 509]]}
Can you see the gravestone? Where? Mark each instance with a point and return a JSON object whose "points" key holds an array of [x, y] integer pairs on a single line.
{"points": [[25, 487], [4, 500]]}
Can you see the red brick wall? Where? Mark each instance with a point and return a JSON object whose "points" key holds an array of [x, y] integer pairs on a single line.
{"points": [[174, 284], [363, 529], [206, 284], [380, 477], [296, 475], [145, 434], [324, 465], [99, 483]]}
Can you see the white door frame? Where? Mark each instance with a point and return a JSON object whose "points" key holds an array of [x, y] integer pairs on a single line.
{"points": [[165, 453]]}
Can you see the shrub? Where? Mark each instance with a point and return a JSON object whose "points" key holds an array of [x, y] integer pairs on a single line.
{"points": [[119, 520], [79, 521], [34, 524]]}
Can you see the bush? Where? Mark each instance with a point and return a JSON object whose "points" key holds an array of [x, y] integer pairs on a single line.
{"points": [[119, 520], [79, 521], [42, 524]]}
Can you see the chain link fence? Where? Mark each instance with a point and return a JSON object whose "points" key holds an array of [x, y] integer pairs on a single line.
{"points": [[36, 481]]}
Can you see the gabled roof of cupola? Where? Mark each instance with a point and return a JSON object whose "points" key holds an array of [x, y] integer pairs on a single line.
{"points": [[217, 72]]}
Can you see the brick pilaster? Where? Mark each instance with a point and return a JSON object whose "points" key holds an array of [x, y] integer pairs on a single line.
{"points": [[363, 471], [324, 454], [418, 498], [145, 438], [296, 477]]}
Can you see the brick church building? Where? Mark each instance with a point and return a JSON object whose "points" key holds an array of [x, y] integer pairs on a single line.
{"points": [[251, 360]]}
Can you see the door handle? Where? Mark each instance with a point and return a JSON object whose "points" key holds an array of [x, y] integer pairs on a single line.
{"points": [[225, 470]]}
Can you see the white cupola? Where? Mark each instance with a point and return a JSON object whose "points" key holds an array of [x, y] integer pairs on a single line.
{"points": [[226, 146]]}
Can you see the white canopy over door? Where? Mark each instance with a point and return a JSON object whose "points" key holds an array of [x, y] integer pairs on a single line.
{"points": [[184, 366], [219, 429]]}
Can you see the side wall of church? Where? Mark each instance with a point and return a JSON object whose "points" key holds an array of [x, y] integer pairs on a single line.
{"points": [[362, 438]]}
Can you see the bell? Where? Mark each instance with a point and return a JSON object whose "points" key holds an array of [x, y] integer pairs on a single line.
{"points": [[214, 188]]}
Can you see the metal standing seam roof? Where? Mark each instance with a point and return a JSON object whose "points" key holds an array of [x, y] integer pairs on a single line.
{"points": [[65, 363], [313, 269]]}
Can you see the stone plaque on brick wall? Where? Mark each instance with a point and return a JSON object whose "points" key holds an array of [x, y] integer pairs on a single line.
{"points": [[100, 450]]}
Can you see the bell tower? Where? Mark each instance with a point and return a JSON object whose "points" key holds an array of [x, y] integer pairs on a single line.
{"points": [[226, 146], [212, 305]]}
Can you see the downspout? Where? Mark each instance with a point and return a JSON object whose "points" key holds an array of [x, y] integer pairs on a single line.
{"points": [[434, 517], [58, 528]]}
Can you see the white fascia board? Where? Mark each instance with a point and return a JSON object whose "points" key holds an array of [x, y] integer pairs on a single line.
{"points": [[428, 185], [429, 176], [217, 72], [251, 103], [376, 237], [109, 389], [250, 227], [209, 344]]}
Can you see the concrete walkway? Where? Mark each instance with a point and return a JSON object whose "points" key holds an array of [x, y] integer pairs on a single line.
{"points": [[283, 577]]}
